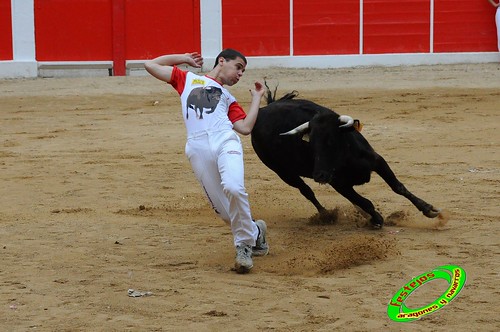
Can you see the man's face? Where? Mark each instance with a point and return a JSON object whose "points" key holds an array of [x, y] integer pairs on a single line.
{"points": [[232, 70]]}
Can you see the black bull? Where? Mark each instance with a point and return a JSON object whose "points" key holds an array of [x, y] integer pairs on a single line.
{"points": [[335, 153]]}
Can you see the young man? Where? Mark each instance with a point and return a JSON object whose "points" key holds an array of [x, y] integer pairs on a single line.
{"points": [[211, 115]]}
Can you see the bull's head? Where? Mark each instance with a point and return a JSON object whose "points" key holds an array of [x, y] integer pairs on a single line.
{"points": [[325, 137]]}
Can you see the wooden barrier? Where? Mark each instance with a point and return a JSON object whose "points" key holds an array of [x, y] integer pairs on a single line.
{"points": [[297, 33]]}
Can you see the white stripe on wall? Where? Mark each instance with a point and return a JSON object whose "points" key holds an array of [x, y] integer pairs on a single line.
{"points": [[291, 28], [431, 39], [361, 11], [23, 42], [23, 30], [211, 28]]}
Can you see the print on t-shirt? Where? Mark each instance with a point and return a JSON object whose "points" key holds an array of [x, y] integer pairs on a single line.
{"points": [[203, 98]]}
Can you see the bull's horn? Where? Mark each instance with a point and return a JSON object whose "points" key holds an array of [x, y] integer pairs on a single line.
{"points": [[303, 127], [347, 120]]}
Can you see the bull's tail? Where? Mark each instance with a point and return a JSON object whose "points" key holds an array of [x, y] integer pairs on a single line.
{"points": [[271, 96]]}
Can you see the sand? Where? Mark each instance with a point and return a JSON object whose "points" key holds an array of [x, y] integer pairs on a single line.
{"points": [[99, 198]]}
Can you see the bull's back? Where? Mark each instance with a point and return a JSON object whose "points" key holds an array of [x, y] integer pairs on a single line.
{"points": [[282, 116]]}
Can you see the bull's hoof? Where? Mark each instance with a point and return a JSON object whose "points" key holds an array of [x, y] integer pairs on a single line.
{"points": [[432, 212], [377, 222]]}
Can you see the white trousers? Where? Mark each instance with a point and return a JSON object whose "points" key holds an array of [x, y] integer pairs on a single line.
{"points": [[217, 162]]}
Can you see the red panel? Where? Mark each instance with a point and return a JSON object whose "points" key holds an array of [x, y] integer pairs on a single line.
{"points": [[77, 30], [256, 28], [119, 60], [464, 26], [6, 52], [396, 26], [325, 27], [156, 27]]}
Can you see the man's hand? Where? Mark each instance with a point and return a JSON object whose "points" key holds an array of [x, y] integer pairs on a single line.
{"points": [[194, 59], [258, 91], [162, 66]]}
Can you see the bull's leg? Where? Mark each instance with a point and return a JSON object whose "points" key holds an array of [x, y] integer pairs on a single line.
{"points": [[383, 169], [365, 204], [304, 189]]}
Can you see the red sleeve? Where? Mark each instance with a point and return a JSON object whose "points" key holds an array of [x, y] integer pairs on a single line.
{"points": [[236, 113], [178, 79]]}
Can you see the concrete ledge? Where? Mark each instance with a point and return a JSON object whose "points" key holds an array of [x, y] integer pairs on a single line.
{"points": [[18, 69], [135, 64], [26, 69], [75, 65], [135, 68], [384, 60], [75, 68]]}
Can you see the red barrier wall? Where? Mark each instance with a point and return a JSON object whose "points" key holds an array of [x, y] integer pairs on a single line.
{"points": [[102, 30], [256, 28], [73, 30], [6, 52], [320, 27], [464, 26], [396, 26], [120, 30], [325, 27], [156, 27]]}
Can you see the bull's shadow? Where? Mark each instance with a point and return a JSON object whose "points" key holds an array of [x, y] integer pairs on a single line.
{"points": [[298, 138]]}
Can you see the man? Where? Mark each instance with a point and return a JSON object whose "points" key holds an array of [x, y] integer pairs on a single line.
{"points": [[211, 115]]}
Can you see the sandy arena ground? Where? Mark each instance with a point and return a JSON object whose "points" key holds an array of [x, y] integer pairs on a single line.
{"points": [[98, 198]]}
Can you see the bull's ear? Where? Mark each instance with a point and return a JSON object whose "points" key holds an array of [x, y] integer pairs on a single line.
{"points": [[358, 125], [305, 137]]}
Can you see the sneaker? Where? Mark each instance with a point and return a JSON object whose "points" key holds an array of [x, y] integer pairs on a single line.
{"points": [[244, 261], [261, 247]]}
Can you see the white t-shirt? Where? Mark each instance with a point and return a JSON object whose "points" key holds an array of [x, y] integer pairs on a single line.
{"points": [[206, 104]]}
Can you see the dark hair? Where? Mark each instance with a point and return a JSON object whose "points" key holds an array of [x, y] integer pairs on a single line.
{"points": [[229, 54]]}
